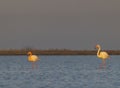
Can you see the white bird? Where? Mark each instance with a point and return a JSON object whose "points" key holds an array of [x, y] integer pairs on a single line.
{"points": [[32, 58], [102, 55]]}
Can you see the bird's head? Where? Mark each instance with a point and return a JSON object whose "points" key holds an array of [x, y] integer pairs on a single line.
{"points": [[97, 46], [29, 53]]}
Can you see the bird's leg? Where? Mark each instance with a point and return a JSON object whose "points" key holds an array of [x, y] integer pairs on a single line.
{"points": [[33, 65], [103, 64], [36, 66]]}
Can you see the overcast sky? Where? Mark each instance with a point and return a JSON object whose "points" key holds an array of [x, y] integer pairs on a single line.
{"points": [[70, 24]]}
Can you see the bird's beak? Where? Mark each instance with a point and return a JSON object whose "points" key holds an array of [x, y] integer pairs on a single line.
{"points": [[95, 47], [28, 54]]}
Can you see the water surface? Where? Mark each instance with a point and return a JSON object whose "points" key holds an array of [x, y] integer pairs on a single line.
{"points": [[59, 72]]}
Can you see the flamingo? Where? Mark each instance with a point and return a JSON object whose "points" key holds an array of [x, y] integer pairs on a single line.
{"points": [[102, 55], [32, 58]]}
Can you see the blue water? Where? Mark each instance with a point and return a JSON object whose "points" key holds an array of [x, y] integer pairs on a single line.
{"points": [[59, 72]]}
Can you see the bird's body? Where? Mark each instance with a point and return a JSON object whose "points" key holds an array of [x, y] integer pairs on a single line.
{"points": [[102, 55], [33, 59]]}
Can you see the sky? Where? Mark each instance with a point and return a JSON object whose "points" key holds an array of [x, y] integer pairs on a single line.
{"points": [[61, 24]]}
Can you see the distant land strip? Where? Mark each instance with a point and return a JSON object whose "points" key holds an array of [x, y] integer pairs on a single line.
{"points": [[57, 52]]}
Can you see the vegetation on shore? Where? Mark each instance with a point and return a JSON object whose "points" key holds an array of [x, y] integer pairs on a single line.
{"points": [[56, 52]]}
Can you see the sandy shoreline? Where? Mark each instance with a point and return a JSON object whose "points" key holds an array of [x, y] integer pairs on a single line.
{"points": [[57, 52]]}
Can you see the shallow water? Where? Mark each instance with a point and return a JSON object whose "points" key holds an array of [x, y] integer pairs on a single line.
{"points": [[59, 72]]}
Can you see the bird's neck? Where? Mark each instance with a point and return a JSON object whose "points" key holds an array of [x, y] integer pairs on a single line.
{"points": [[30, 55], [98, 52]]}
